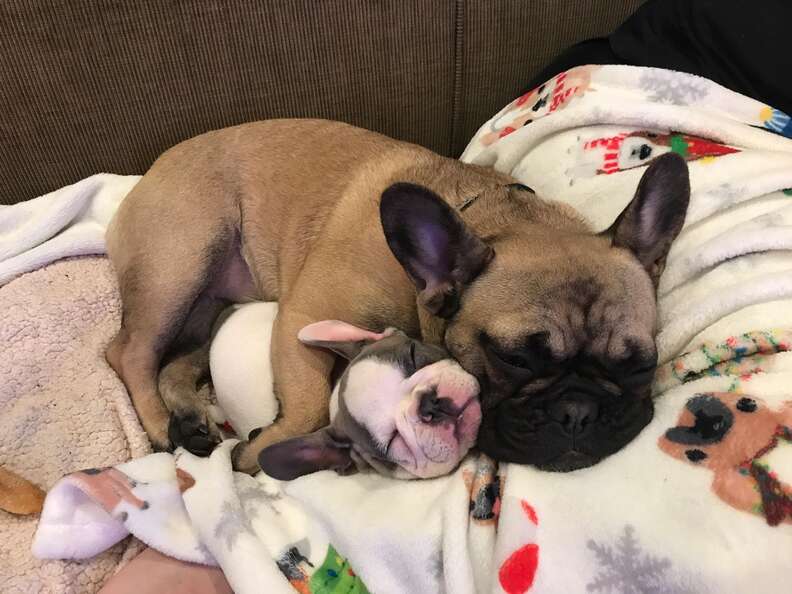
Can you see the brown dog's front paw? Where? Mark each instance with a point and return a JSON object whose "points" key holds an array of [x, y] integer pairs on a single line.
{"points": [[158, 437], [244, 459], [192, 433]]}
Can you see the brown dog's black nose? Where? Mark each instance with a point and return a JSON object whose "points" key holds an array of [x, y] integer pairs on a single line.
{"points": [[434, 409], [574, 416]]}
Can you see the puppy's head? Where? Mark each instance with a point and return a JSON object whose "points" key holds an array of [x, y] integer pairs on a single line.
{"points": [[556, 323], [401, 407]]}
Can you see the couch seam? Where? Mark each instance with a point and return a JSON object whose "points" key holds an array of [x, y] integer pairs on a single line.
{"points": [[456, 97]]}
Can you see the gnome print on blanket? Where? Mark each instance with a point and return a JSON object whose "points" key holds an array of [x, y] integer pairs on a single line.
{"points": [[401, 407]]}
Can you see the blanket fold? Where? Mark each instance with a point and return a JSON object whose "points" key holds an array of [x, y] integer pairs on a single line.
{"points": [[68, 222]]}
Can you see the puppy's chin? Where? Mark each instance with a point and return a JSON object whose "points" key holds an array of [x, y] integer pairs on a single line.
{"points": [[517, 433]]}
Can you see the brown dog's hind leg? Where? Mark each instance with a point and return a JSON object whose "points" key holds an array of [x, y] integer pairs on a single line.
{"points": [[181, 379], [136, 362], [303, 388], [161, 316], [165, 255]]}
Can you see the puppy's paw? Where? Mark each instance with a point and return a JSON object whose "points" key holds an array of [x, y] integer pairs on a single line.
{"points": [[194, 434]]}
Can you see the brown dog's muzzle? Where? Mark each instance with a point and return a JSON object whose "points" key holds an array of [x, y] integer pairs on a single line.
{"points": [[573, 424]]}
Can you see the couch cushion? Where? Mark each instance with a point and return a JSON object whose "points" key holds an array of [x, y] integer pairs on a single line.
{"points": [[107, 86]]}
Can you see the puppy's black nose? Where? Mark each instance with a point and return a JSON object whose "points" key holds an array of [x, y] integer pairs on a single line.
{"points": [[574, 416], [434, 409]]}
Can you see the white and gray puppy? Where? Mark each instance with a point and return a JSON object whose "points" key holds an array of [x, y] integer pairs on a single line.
{"points": [[401, 407]]}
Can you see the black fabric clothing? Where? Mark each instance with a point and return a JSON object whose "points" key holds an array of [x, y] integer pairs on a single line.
{"points": [[744, 46]]}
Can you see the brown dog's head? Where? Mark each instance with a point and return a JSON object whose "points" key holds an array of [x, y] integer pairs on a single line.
{"points": [[556, 323]]}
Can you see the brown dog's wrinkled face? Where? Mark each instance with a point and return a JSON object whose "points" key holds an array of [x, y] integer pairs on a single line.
{"points": [[567, 360], [556, 323]]}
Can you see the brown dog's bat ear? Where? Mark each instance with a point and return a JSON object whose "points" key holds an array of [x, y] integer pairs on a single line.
{"points": [[656, 214], [433, 245], [293, 458]]}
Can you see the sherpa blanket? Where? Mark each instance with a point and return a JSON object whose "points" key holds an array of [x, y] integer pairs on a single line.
{"points": [[63, 408], [699, 502]]}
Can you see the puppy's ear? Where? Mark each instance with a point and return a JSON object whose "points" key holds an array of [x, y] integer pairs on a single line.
{"points": [[433, 245], [656, 214], [293, 458], [345, 339]]}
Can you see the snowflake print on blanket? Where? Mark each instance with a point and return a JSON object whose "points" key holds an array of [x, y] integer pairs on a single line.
{"points": [[436, 566], [625, 568], [675, 88], [232, 523]]}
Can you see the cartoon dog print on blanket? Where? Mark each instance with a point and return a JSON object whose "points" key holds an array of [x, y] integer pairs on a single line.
{"points": [[547, 98], [611, 154], [110, 488], [297, 568], [745, 443], [484, 484]]}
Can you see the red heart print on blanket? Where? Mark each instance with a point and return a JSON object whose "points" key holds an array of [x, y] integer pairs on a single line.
{"points": [[517, 573]]}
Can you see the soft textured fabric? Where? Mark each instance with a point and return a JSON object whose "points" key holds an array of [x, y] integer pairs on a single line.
{"points": [[68, 222], [63, 408], [108, 86], [644, 520]]}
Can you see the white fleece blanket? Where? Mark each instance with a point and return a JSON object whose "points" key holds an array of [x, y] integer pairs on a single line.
{"points": [[70, 221], [699, 502]]}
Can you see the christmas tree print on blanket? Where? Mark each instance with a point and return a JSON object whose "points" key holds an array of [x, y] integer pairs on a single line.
{"points": [[335, 576], [625, 568]]}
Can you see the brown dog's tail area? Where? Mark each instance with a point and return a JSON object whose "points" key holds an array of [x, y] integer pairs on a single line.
{"points": [[19, 496]]}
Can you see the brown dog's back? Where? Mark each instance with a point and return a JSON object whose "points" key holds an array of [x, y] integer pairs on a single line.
{"points": [[284, 210]]}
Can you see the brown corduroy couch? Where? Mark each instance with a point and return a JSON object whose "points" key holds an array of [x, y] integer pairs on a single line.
{"points": [[106, 85]]}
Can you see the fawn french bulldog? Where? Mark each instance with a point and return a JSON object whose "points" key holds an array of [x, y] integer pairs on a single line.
{"points": [[555, 322]]}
